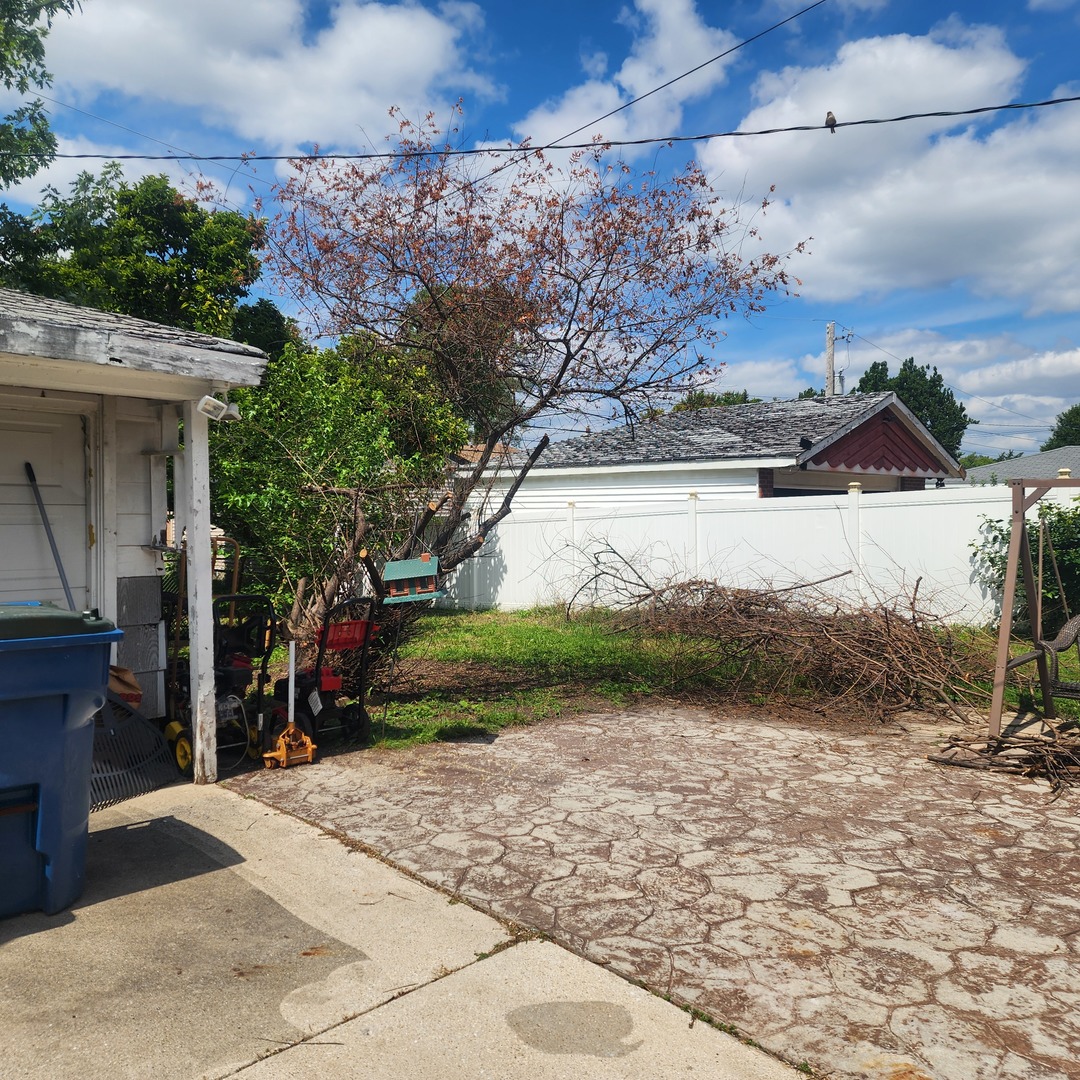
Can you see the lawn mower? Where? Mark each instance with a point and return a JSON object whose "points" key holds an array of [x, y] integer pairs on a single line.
{"points": [[244, 636]]}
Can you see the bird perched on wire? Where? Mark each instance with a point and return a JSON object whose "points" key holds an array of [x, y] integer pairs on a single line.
{"points": [[830, 122]]}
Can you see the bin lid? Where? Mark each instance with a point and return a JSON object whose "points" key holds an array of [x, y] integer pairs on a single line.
{"points": [[35, 619]]}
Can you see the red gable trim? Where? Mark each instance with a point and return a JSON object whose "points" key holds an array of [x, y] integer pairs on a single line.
{"points": [[883, 444]]}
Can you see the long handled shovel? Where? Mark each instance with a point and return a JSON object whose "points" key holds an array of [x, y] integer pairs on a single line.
{"points": [[49, 533]]}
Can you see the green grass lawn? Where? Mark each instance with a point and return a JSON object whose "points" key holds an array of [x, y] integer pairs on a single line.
{"points": [[470, 674]]}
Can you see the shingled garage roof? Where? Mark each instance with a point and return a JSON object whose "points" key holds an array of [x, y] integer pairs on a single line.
{"points": [[854, 432], [1044, 466], [51, 343]]}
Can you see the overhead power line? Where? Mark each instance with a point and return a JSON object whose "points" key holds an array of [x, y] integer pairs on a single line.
{"points": [[183, 155], [392, 155], [656, 89], [957, 390], [692, 71]]}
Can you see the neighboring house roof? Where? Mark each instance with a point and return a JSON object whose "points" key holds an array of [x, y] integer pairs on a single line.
{"points": [[1042, 466], [125, 351], [854, 432]]}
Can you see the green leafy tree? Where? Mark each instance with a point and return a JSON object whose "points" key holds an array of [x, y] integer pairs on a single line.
{"points": [[923, 391], [971, 461], [142, 249], [265, 326], [704, 399], [1066, 430], [462, 334], [26, 141], [809, 392], [20, 252], [332, 447]]}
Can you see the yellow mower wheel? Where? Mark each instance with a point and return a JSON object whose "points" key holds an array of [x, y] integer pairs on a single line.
{"points": [[183, 752]]}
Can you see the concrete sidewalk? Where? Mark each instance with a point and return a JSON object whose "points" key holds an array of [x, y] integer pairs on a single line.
{"points": [[218, 937]]}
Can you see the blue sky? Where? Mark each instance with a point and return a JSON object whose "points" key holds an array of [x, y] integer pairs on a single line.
{"points": [[953, 240]]}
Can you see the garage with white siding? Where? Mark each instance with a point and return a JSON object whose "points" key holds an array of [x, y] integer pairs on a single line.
{"points": [[95, 403]]}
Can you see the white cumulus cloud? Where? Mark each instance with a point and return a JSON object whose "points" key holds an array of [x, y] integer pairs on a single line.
{"points": [[260, 72], [671, 37], [920, 204]]}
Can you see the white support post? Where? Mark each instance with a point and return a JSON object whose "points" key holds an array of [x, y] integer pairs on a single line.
{"points": [[195, 498], [571, 525], [107, 538], [855, 532], [692, 561]]}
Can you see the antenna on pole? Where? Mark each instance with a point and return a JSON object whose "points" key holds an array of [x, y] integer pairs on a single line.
{"points": [[830, 349]]}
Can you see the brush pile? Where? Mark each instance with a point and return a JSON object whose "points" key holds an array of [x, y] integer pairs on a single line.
{"points": [[1054, 757], [802, 641]]}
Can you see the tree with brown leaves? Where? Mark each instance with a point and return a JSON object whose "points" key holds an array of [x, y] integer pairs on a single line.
{"points": [[529, 289]]}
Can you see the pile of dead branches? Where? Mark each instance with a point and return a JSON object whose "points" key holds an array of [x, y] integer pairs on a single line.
{"points": [[802, 641], [1054, 757]]}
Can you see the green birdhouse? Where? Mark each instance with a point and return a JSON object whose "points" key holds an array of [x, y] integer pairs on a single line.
{"points": [[411, 579]]}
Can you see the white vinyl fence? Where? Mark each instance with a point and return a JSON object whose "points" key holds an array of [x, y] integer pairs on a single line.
{"points": [[882, 545]]}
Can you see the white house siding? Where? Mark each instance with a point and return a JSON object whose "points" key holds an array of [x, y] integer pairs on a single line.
{"points": [[882, 544], [632, 485], [546, 489], [98, 487], [55, 442], [138, 435], [140, 516]]}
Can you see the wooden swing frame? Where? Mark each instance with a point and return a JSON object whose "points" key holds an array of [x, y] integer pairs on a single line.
{"points": [[1018, 561]]}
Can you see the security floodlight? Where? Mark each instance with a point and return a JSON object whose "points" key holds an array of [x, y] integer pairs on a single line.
{"points": [[212, 407]]}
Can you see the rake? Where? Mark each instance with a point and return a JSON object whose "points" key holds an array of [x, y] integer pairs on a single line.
{"points": [[131, 756]]}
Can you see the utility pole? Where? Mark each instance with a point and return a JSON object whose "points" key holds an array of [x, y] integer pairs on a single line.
{"points": [[830, 348]]}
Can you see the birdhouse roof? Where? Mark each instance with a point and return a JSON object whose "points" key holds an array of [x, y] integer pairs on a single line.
{"points": [[426, 566]]}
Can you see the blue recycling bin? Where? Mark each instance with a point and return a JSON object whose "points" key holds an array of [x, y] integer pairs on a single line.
{"points": [[54, 671]]}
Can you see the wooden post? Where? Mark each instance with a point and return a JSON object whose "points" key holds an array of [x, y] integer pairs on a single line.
{"points": [[1018, 561], [196, 499], [1008, 599], [1035, 615]]}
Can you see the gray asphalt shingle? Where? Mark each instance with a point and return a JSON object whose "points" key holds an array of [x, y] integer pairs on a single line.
{"points": [[764, 429], [1042, 466]]}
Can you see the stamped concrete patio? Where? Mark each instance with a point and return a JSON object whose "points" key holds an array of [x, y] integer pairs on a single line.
{"points": [[831, 894]]}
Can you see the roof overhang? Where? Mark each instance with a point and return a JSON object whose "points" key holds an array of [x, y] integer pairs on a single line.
{"points": [[56, 346], [898, 412], [117, 380], [636, 468]]}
